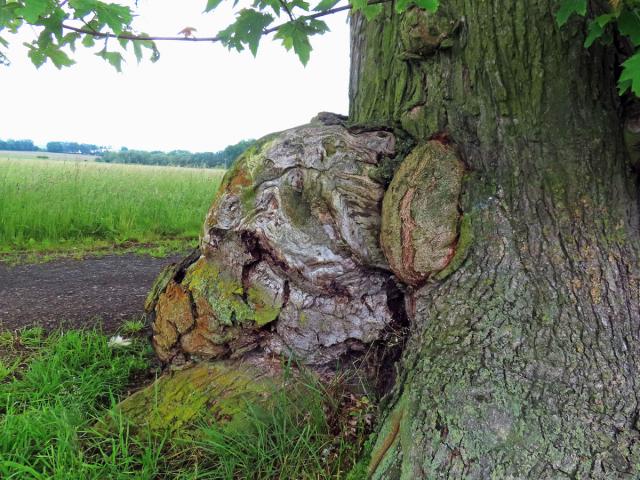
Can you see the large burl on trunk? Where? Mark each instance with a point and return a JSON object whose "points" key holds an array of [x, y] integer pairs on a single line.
{"points": [[291, 262]]}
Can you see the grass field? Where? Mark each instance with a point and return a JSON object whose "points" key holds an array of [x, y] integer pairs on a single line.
{"points": [[68, 157], [50, 204]]}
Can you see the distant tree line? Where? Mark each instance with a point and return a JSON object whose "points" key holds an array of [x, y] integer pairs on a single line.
{"points": [[52, 147], [74, 147], [18, 145], [180, 158]]}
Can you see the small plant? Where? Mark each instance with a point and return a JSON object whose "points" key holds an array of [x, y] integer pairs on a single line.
{"points": [[6, 340], [32, 337], [133, 326], [7, 368]]}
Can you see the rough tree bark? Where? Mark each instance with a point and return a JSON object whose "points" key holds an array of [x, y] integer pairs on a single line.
{"points": [[523, 362]]}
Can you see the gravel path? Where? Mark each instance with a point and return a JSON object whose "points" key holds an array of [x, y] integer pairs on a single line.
{"points": [[77, 293]]}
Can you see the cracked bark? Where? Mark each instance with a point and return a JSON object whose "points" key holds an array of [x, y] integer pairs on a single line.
{"points": [[523, 363]]}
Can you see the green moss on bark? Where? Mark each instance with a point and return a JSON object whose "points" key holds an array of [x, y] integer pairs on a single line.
{"points": [[226, 296], [465, 241]]}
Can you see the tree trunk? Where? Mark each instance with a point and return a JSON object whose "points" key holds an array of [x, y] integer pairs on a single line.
{"points": [[523, 362]]}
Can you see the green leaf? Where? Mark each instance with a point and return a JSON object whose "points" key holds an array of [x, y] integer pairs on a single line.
{"points": [[629, 25], [604, 20], [430, 5], [117, 17], [155, 53], [82, 7], [114, 58], [37, 57], [53, 23], [568, 8], [246, 30], [138, 46], [630, 76], [315, 26], [595, 32], [296, 35], [325, 5], [402, 5], [58, 57], [33, 9], [44, 39], [212, 5], [302, 4], [137, 51], [623, 86], [275, 5], [8, 14], [598, 29], [70, 39], [88, 41]]}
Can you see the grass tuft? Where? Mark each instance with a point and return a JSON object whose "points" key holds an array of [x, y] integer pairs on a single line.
{"points": [[132, 326]]}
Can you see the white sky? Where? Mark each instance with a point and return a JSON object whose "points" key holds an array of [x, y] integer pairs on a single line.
{"points": [[198, 97]]}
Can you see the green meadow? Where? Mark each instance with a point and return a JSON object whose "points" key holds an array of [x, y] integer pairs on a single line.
{"points": [[61, 204]]}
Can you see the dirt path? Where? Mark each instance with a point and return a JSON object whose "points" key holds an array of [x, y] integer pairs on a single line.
{"points": [[77, 293]]}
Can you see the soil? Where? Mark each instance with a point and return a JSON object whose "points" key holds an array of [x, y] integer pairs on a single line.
{"points": [[102, 291]]}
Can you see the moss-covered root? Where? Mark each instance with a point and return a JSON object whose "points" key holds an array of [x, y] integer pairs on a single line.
{"points": [[177, 398]]}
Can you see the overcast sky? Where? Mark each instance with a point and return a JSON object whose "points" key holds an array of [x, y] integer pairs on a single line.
{"points": [[198, 97]]}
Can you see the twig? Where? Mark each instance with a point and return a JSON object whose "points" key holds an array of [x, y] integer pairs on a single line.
{"points": [[154, 38], [286, 9]]}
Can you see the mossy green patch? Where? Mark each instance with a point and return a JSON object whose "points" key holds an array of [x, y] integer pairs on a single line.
{"points": [[179, 398], [159, 286], [221, 291], [465, 240], [385, 453], [384, 171], [330, 147], [264, 308], [246, 174], [225, 295]]}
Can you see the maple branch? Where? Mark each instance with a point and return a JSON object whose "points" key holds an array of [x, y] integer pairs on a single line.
{"points": [[130, 36]]}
